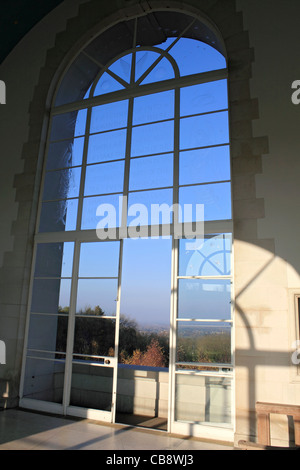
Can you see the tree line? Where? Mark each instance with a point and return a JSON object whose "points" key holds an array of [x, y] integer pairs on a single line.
{"points": [[95, 336]]}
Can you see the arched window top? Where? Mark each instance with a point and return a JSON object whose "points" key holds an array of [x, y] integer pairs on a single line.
{"points": [[156, 47], [141, 114], [171, 59]]}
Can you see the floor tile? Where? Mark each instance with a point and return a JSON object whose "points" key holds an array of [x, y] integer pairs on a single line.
{"points": [[26, 430]]}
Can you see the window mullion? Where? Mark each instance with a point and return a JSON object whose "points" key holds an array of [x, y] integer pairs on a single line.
{"points": [[174, 281], [83, 169], [128, 140], [71, 327], [176, 157], [127, 164]]}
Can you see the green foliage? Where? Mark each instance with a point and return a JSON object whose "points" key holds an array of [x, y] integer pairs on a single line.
{"points": [[95, 336], [209, 348]]}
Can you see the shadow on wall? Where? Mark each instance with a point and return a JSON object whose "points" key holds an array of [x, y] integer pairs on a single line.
{"points": [[251, 354], [264, 344]]}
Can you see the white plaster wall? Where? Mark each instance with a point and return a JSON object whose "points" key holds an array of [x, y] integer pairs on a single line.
{"points": [[20, 72], [274, 33], [273, 27], [267, 271]]}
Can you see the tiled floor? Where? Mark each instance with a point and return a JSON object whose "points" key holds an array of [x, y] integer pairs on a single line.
{"points": [[23, 430]]}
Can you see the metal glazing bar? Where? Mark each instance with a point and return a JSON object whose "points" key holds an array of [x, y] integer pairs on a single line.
{"points": [[96, 317], [207, 320], [83, 170], [164, 85], [71, 328], [106, 69], [229, 277], [165, 52], [46, 358]]}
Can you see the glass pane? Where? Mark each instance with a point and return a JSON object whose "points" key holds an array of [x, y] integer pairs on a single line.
{"points": [[68, 125], [210, 256], [51, 296], [203, 131], [112, 41], [164, 45], [204, 299], [48, 333], [102, 212], [107, 146], [214, 198], [94, 336], [97, 297], [104, 178], [44, 380], [193, 56], [77, 80], [109, 116], [145, 302], [154, 107], [152, 138], [62, 184], [144, 59], [65, 154], [150, 207], [162, 71], [208, 343], [80, 122], [54, 260], [91, 387], [151, 172], [203, 98], [200, 399], [122, 67], [59, 216], [204, 165], [107, 84], [99, 259]]}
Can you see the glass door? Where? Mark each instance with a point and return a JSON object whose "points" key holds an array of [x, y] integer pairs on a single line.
{"points": [[72, 345], [91, 385], [203, 354], [43, 375]]}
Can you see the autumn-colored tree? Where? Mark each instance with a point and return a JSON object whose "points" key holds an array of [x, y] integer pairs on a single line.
{"points": [[123, 357], [136, 359], [154, 355]]}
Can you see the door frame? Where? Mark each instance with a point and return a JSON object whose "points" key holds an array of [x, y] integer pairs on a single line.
{"points": [[65, 408], [197, 430], [202, 430]]}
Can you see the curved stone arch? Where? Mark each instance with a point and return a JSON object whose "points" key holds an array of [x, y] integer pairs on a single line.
{"points": [[137, 8]]}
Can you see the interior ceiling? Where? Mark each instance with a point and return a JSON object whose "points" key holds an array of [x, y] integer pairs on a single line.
{"points": [[17, 17]]}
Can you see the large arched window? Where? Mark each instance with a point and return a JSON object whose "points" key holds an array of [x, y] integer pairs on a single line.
{"points": [[131, 311]]}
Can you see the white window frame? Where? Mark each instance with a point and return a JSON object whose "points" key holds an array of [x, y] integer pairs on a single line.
{"points": [[79, 236], [294, 334]]}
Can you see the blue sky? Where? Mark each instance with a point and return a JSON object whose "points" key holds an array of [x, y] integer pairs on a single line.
{"points": [[146, 270]]}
